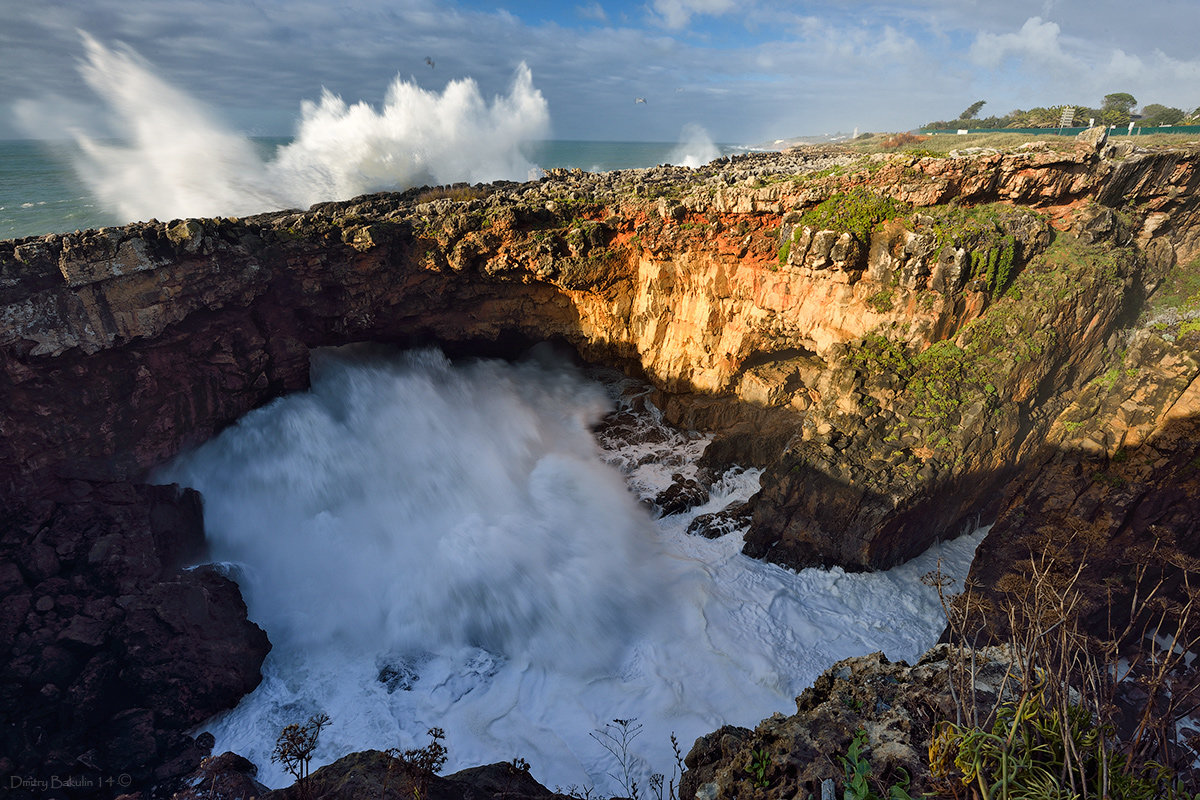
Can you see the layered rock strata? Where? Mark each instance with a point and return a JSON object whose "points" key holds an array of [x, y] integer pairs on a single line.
{"points": [[891, 336]]}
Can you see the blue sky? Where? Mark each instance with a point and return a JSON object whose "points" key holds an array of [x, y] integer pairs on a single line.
{"points": [[746, 71]]}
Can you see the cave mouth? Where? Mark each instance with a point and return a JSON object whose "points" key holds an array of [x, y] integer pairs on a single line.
{"points": [[472, 544]]}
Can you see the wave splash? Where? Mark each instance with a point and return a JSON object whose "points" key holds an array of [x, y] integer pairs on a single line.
{"points": [[398, 506], [437, 545], [695, 148], [179, 160]]}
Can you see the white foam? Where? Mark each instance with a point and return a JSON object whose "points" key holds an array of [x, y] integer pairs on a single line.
{"points": [[456, 527], [695, 148], [178, 159]]}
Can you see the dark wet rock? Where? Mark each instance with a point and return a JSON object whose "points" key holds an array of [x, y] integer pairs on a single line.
{"points": [[372, 773], [681, 495], [718, 523], [117, 653], [224, 777]]}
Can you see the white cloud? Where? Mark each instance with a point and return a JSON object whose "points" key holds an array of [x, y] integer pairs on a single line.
{"points": [[593, 11], [677, 14], [1038, 40]]}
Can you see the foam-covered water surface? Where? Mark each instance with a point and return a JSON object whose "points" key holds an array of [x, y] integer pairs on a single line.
{"points": [[436, 544]]}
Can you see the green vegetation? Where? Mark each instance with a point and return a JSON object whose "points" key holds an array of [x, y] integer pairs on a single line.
{"points": [[457, 192], [938, 381], [1115, 109], [984, 231], [995, 265], [858, 774], [941, 373], [422, 763], [970, 226], [1174, 307], [942, 144], [1037, 749], [1051, 730], [857, 211], [969, 374], [759, 764], [882, 301], [785, 250]]}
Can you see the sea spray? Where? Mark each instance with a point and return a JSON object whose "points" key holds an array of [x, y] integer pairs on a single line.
{"points": [[430, 544], [695, 148], [177, 159]]}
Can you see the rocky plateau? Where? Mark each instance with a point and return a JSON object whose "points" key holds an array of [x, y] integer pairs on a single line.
{"points": [[908, 344]]}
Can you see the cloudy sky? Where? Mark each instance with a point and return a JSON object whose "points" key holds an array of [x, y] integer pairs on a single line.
{"points": [[749, 71]]}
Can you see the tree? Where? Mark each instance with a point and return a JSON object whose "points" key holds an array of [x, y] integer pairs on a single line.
{"points": [[1116, 108], [1119, 101], [972, 109], [1157, 114]]}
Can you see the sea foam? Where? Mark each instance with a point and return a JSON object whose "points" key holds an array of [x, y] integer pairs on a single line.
{"points": [[445, 545]]}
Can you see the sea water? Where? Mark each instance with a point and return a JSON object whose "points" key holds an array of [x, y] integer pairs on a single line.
{"points": [[162, 154], [41, 191], [432, 544]]}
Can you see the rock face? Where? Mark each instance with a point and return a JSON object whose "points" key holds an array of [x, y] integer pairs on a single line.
{"points": [[892, 337], [113, 653], [893, 707], [372, 773]]}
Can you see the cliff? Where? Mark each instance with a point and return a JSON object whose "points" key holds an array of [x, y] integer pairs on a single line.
{"points": [[905, 343]]}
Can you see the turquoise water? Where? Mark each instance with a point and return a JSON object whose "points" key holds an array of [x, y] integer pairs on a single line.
{"points": [[40, 192]]}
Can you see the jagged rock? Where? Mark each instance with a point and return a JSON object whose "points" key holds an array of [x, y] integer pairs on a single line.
{"points": [[224, 777], [119, 348], [719, 523], [894, 704], [123, 653], [372, 773], [1095, 137], [682, 494]]}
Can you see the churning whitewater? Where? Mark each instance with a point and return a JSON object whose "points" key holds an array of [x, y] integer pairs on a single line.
{"points": [[159, 152], [436, 544], [174, 157]]}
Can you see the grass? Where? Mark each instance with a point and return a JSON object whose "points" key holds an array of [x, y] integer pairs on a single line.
{"points": [[941, 144], [1051, 728], [457, 192], [1178, 295]]}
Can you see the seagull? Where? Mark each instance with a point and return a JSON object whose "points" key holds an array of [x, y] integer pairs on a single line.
{"points": [[637, 100], [429, 61]]}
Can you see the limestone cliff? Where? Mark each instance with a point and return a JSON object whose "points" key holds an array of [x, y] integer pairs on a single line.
{"points": [[892, 336]]}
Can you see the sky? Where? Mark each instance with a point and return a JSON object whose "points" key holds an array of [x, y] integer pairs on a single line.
{"points": [[747, 72]]}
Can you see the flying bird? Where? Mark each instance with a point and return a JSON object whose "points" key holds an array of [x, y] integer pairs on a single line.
{"points": [[637, 100], [429, 61]]}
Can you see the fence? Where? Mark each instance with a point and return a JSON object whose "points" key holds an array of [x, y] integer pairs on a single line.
{"points": [[1119, 131]]}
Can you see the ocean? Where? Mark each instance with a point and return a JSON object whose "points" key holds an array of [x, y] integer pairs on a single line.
{"points": [[42, 191]]}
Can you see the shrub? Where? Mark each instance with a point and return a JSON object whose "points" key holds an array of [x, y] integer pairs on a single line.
{"points": [[858, 211], [1056, 728], [902, 139], [422, 763], [459, 191], [295, 746]]}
